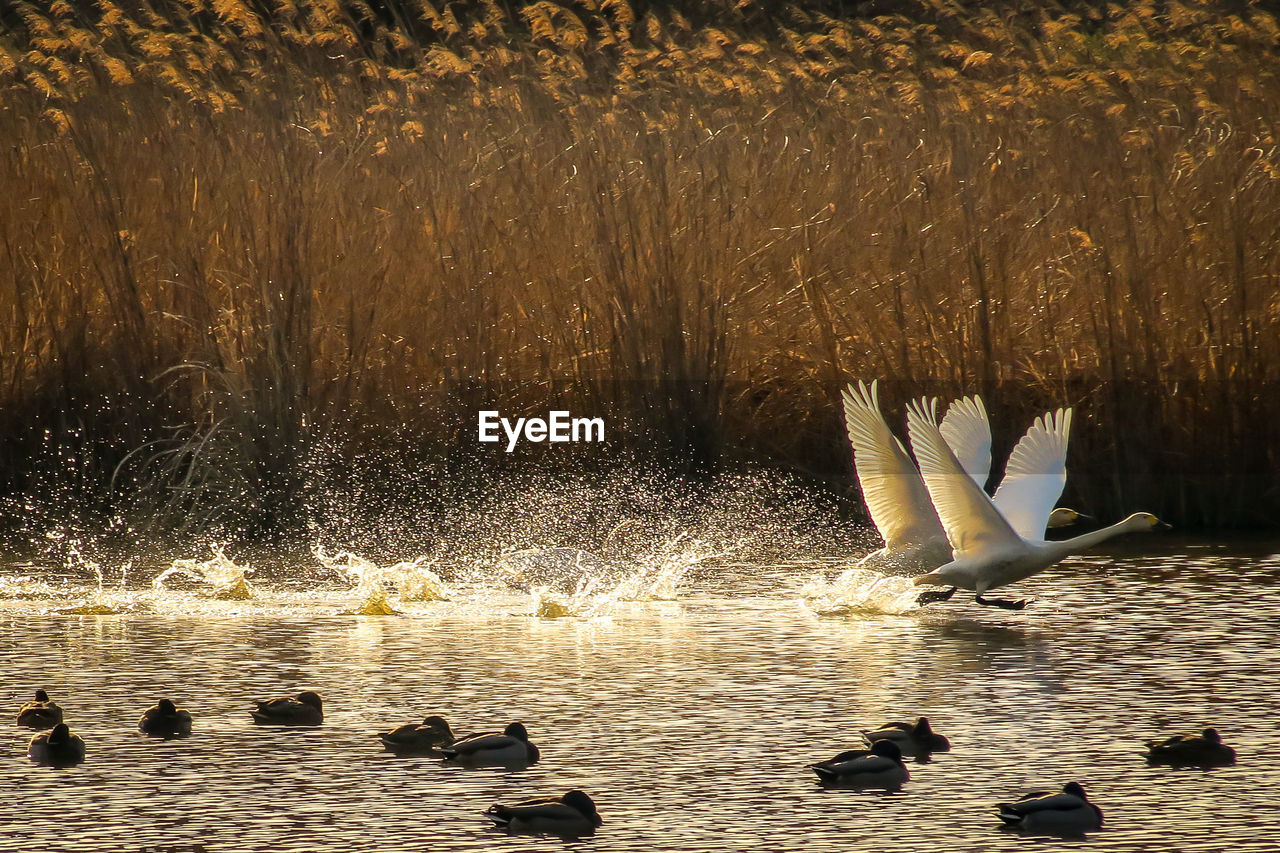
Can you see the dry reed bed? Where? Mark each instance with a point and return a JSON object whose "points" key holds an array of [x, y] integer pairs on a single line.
{"points": [[231, 238]]}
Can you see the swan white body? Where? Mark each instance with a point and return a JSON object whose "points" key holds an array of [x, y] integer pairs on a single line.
{"points": [[1068, 812], [895, 494], [989, 547]]}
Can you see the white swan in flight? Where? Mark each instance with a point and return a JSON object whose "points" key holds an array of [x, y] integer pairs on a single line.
{"points": [[1001, 541], [895, 495]]}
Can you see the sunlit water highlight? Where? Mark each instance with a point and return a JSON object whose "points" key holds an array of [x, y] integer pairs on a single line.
{"points": [[685, 694]]}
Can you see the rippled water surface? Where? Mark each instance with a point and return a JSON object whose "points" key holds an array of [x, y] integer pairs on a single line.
{"points": [[690, 721]]}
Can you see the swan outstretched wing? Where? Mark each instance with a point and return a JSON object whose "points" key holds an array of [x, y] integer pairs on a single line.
{"points": [[1035, 475], [968, 433], [971, 521], [891, 486]]}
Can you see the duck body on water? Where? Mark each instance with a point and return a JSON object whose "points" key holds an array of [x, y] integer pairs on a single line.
{"points": [[511, 748], [1065, 813], [880, 767], [164, 719], [425, 738], [570, 814], [43, 713], [305, 710], [58, 747], [1203, 750], [913, 739]]}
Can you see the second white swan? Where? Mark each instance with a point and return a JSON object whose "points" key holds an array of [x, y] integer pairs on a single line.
{"points": [[989, 548]]}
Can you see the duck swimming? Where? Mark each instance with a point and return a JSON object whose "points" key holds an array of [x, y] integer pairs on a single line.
{"points": [[512, 747], [306, 710], [1068, 812], [43, 713], [913, 739], [573, 813], [880, 767], [433, 733], [59, 747], [166, 720], [1203, 750]]}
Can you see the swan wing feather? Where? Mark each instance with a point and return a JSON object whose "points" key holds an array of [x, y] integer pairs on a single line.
{"points": [[967, 431], [1035, 475], [971, 520], [891, 485]]}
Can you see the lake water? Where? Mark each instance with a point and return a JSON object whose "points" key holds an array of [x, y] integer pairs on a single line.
{"points": [[690, 721]]}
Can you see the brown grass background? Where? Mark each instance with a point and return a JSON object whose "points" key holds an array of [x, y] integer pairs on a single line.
{"points": [[239, 237]]}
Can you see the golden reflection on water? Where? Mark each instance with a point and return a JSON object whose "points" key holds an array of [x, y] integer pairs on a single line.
{"points": [[689, 722]]}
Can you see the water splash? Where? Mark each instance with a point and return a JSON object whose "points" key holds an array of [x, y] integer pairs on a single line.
{"points": [[556, 568], [652, 577], [375, 604], [413, 580], [658, 575], [860, 591], [416, 581], [101, 601], [224, 579]]}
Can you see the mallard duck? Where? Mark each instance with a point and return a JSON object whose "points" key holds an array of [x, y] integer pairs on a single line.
{"points": [[165, 720], [433, 733], [1067, 812], [847, 755], [572, 813], [1203, 750], [306, 710], [41, 714], [913, 739], [58, 746], [510, 747], [881, 767]]}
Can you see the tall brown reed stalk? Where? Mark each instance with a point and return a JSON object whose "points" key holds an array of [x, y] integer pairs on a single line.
{"points": [[231, 237]]}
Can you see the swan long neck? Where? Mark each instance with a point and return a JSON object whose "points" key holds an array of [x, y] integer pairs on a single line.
{"points": [[1076, 544]]}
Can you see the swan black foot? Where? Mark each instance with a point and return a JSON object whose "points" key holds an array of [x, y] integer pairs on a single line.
{"points": [[1001, 602], [934, 596]]}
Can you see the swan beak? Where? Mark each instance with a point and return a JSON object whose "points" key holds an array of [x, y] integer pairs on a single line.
{"points": [[1164, 525]]}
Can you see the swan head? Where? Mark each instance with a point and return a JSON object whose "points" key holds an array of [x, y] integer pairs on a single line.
{"points": [[310, 697], [1146, 521], [517, 731], [1065, 517], [1075, 789]]}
